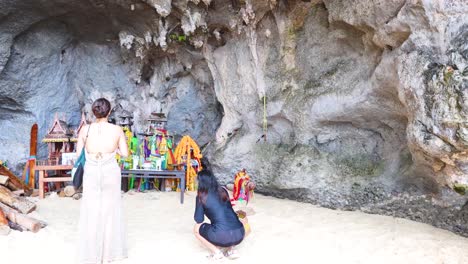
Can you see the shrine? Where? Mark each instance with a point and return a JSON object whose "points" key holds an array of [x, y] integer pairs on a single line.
{"points": [[60, 139]]}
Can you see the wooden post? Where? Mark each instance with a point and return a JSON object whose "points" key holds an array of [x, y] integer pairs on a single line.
{"points": [[19, 203], [42, 172], [23, 220], [4, 180], [189, 163], [4, 227], [41, 184], [18, 192], [32, 155], [15, 181]]}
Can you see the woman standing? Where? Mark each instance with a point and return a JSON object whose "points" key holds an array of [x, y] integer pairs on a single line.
{"points": [[101, 227], [225, 230]]}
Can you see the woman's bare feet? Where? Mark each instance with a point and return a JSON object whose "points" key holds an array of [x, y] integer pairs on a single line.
{"points": [[231, 253], [219, 255]]}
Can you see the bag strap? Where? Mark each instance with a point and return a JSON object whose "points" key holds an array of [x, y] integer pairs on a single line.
{"points": [[84, 145]]}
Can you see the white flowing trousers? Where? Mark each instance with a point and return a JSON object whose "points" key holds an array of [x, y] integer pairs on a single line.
{"points": [[101, 228]]}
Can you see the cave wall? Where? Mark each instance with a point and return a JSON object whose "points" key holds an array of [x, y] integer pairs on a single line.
{"points": [[65, 59], [364, 101]]}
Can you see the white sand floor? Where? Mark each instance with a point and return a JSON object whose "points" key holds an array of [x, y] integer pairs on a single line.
{"points": [[160, 231]]}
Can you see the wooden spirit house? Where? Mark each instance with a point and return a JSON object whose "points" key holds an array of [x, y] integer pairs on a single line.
{"points": [[59, 140]]}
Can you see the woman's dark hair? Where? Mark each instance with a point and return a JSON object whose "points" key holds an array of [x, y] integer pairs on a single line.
{"points": [[101, 107], [207, 182], [205, 163]]}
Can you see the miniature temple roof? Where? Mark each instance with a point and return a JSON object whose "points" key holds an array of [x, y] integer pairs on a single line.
{"points": [[160, 117], [83, 122], [59, 132], [125, 118], [125, 114]]}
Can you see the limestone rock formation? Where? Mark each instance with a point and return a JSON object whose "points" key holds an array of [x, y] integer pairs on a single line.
{"points": [[347, 104]]}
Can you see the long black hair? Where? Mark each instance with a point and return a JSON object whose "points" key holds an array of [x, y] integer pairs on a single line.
{"points": [[207, 182], [205, 163]]}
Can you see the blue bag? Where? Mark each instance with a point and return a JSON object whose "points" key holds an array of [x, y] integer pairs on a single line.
{"points": [[78, 169]]}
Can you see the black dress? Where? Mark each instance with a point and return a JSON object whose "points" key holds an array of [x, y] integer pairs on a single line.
{"points": [[225, 229]]}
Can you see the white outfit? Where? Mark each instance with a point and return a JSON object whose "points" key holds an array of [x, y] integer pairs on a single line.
{"points": [[101, 228]]}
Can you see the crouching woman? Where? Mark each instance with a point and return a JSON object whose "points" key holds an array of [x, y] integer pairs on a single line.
{"points": [[225, 230]]}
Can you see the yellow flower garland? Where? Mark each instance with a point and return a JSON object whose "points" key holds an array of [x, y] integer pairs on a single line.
{"points": [[187, 150]]}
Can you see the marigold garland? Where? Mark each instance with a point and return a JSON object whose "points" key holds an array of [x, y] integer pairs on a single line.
{"points": [[186, 150]]}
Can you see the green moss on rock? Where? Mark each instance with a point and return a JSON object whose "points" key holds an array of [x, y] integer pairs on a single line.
{"points": [[360, 165], [460, 188]]}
